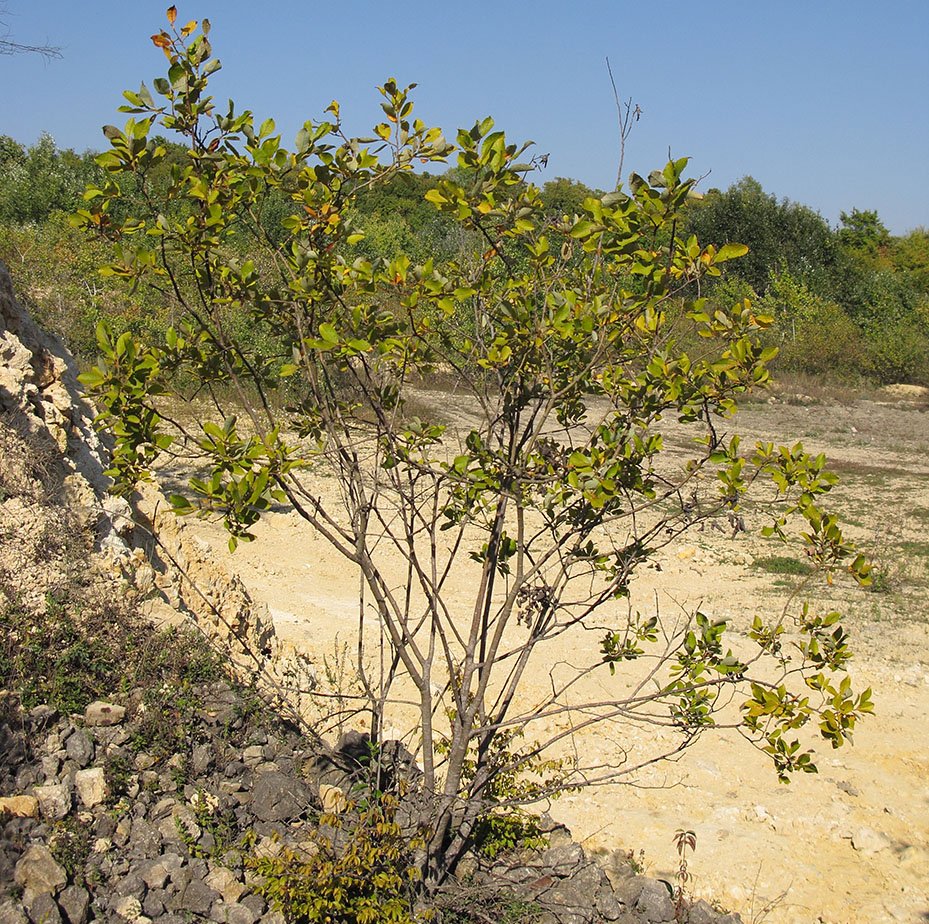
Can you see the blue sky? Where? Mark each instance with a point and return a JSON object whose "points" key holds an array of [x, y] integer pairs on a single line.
{"points": [[823, 102]]}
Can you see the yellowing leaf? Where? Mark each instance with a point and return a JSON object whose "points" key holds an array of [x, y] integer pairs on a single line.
{"points": [[161, 40], [189, 27], [172, 14]]}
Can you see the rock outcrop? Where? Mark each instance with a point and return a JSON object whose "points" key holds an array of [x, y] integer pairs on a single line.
{"points": [[49, 441]]}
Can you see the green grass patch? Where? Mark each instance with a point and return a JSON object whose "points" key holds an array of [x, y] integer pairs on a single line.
{"points": [[782, 564]]}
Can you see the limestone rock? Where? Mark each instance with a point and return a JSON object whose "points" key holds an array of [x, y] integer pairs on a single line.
{"points": [[129, 908], [91, 786], [43, 909], [80, 748], [225, 882], [38, 872], [54, 800], [332, 798], [74, 902], [868, 841], [279, 797], [654, 902], [100, 714], [20, 806]]}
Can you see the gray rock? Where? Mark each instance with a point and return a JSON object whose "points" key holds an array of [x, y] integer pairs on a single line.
{"points": [[43, 910], [54, 800], [80, 748], [100, 714], [144, 839], [278, 797], [38, 871], [51, 764], [198, 897], [74, 902], [607, 907], [154, 904], [153, 873], [255, 904], [562, 860], [131, 884], [104, 825], [222, 913], [654, 902], [181, 819], [201, 759], [12, 914], [701, 912]]}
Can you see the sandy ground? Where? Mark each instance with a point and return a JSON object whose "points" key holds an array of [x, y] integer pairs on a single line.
{"points": [[848, 845]]}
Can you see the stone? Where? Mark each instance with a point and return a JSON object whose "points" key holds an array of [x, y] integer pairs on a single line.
{"points": [[145, 839], [44, 910], [256, 904], [198, 897], [38, 871], [563, 859], [154, 903], [54, 800], [701, 912], [51, 763], [12, 914], [91, 786], [181, 819], [20, 806], [278, 797], [225, 882], [80, 748], [130, 908], [868, 841], [99, 714], [74, 902], [332, 798], [153, 873], [607, 907], [131, 884], [201, 759], [222, 913], [654, 902]]}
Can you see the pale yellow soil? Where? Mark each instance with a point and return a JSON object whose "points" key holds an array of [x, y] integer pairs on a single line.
{"points": [[848, 845]]}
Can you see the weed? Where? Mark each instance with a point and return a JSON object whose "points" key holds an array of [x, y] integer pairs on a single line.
{"points": [[782, 564], [364, 874], [480, 905], [684, 841], [117, 771], [69, 844]]}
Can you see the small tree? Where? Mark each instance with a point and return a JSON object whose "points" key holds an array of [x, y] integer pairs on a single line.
{"points": [[559, 336]]}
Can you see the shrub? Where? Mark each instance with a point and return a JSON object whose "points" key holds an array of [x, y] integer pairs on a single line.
{"points": [[565, 335]]}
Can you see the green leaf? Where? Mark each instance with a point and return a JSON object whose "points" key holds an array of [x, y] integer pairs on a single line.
{"points": [[729, 252]]}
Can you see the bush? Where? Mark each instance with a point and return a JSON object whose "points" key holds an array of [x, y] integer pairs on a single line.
{"points": [[564, 335]]}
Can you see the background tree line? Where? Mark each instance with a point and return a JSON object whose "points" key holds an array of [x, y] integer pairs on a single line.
{"points": [[850, 304]]}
